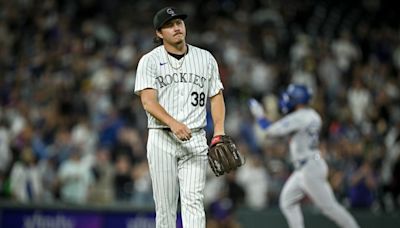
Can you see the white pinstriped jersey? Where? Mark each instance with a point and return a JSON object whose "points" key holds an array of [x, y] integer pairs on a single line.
{"points": [[184, 87], [303, 125]]}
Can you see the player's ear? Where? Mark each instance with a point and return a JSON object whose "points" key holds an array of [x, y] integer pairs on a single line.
{"points": [[159, 34]]}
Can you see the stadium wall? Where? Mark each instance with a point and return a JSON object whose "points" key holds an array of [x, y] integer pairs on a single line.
{"points": [[72, 216]]}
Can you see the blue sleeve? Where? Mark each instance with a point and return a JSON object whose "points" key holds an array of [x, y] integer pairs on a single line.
{"points": [[264, 123]]}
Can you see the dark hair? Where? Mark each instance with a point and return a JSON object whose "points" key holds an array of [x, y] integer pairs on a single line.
{"points": [[157, 40]]}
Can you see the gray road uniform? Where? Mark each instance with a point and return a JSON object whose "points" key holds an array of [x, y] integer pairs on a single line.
{"points": [[310, 175]]}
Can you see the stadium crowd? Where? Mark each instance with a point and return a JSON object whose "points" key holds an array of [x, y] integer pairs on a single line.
{"points": [[72, 131]]}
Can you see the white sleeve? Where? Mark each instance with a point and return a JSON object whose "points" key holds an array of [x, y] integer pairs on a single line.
{"points": [[145, 74], [285, 126], [215, 81]]}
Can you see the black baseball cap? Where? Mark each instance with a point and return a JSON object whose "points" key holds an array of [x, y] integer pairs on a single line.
{"points": [[166, 14]]}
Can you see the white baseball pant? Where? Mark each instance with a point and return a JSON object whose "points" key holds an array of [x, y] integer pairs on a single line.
{"points": [[311, 179], [178, 168]]}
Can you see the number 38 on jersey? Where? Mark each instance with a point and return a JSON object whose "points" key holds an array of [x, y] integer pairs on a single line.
{"points": [[198, 99]]}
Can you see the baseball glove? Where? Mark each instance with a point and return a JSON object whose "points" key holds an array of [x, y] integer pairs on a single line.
{"points": [[223, 155]]}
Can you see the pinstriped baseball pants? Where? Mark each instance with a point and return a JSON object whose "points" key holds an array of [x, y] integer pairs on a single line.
{"points": [[178, 169]]}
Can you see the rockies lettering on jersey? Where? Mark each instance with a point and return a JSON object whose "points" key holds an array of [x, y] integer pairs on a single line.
{"points": [[183, 85], [181, 78]]}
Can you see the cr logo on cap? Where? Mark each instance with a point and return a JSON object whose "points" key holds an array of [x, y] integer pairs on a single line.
{"points": [[171, 12]]}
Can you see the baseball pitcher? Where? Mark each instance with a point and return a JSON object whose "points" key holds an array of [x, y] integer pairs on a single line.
{"points": [[174, 82]]}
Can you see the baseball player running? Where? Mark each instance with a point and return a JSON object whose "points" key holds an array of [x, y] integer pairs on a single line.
{"points": [[302, 124], [174, 81]]}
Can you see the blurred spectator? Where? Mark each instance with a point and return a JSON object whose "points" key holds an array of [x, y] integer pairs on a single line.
{"points": [[123, 183], [305, 74], [75, 178], [330, 75], [363, 186], [390, 169], [262, 77], [5, 151], [222, 209], [278, 169], [48, 169], [394, 186], [102, 191], [396, 56], [112, 123], [362, 180], [345, 51], [129, 143], [336, 179], [62, 146], [25, 180], [85, 136], [254, 179], [392, 146], [299, 51], [235, 192], [222, 214], [142, 191], [359, 101]]}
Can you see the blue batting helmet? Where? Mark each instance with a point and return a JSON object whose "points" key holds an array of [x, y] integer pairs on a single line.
{"points": [[295, 94], [284, 103]]}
